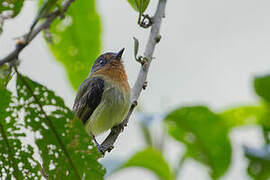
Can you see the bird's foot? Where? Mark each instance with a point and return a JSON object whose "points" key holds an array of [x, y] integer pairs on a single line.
{"points": [[100, 147]]}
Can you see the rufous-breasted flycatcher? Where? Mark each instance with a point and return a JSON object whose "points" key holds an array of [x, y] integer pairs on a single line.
{"points": [[103, 99]]}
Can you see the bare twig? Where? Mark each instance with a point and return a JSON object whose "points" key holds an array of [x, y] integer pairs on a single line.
{"points": [[32, 34], [141, 79]]}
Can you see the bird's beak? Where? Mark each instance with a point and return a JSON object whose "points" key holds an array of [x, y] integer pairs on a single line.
{"points": [[119, 54]]}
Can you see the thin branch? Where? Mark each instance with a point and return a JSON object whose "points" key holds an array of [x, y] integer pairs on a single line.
{"points": [[32, 34], [141, 79], [51, 125]]}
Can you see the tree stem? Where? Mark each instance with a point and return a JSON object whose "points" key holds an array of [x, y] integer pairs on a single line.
{"points": [[154, 38]]}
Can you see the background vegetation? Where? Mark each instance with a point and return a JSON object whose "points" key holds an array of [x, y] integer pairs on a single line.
{"points": [[65, 150]]}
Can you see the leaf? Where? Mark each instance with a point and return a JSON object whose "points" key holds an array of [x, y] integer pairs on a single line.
{"points": [[205, 136], [136, 4], [5, 76], [262, 87], [13, 6], [152, 160], [244, 115], [66, 150], [9, 9], [136, 47], [16, 160], [77, 40], [259, 162]]}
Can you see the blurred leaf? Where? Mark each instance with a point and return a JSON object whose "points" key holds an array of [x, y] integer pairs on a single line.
{"points": [[5, 76], [262, 87], [146, 133], [259, 162], [152, 160], [12, 6], [16, 160], [136, 4], [55, 121], [245, 115], [9, 9], [205, 136], [77, 40]]}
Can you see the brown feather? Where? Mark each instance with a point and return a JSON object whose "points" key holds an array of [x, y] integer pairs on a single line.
{"points": [[115, 72]]}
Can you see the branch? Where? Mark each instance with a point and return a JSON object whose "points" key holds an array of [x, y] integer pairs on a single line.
{"points": [[141, 79], [32, 34]]}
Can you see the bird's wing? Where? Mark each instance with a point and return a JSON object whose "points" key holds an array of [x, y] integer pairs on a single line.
{"points": [[88, 98]]}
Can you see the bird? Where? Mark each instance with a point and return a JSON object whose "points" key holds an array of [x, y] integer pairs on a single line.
{"points": [[103, 98]]}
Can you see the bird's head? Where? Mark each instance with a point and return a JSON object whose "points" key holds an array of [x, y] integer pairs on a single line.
{"points": [[107, 61]]}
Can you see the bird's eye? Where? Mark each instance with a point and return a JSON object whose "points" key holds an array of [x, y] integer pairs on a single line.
{"points": [[102, 62]]}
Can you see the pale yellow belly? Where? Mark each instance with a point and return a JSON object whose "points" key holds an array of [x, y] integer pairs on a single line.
{"points": [[110, 112]]}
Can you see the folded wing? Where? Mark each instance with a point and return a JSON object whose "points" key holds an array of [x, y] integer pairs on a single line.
{"points": [[88, 98]]}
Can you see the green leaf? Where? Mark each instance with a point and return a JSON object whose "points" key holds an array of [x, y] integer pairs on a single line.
{"points": [[259, 162], [245, 115], [16, 159], [14, 6], [77, 40], [205, 135], [262, 87], [66, 150], [9, 9], [136, 4], [152, 160], [5, 76]]}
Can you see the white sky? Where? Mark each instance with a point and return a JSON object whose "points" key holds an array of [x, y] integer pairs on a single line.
{"points": [[209, 52]]}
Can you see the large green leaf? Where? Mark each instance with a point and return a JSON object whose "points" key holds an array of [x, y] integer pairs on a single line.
{"points": [[262, 87], [137, 4], [77, 40], [245, 115], [16, 159], [66, 150], [152, 160], [205, 135]]}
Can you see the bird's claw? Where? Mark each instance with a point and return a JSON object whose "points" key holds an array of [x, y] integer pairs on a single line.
{"points": [[101, 149]]}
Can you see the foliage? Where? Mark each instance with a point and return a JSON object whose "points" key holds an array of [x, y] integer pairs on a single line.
{"points": [[77, 40], [262, 87], [14, 6], [138, 4], [205, 136], [243, 115], [259, 164], [9, 9], [66, 150], [152, 160], [259, 159], [16, 159]]}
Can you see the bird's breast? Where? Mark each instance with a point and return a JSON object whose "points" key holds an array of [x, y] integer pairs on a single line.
{"points": [[112, 109]]}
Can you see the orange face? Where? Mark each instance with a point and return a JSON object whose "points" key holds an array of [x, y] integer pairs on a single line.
{"points": [[107, 59], [110, 65]]}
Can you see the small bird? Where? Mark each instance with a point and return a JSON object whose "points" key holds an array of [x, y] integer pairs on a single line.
{"points": [[103, 99]]}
